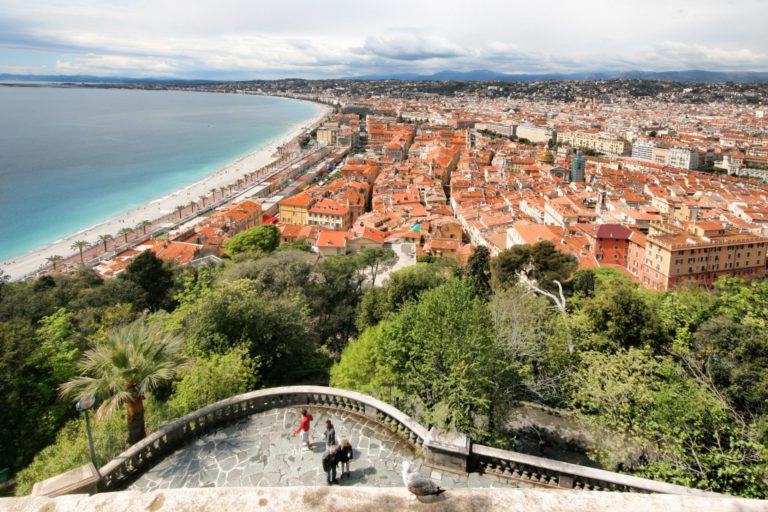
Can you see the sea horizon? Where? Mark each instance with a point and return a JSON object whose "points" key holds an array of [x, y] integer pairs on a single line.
{"points": [[74, 158]]}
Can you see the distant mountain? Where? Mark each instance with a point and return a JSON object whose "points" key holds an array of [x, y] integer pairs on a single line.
{"points": [[673, 76], [79, 79], [476, 75]]}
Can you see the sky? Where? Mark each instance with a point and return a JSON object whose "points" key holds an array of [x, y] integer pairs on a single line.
{"points": [[255, 39]]}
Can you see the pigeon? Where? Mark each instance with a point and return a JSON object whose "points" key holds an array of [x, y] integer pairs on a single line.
{"points": [[417, 484]]}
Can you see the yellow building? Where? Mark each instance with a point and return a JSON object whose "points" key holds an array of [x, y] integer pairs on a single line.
{"points": [[295, 209]]}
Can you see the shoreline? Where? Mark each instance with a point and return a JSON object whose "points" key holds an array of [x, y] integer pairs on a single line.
{"points": [[21, 266]]}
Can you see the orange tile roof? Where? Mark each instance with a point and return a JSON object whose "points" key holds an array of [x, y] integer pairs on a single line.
{"points": [[330, 238]]}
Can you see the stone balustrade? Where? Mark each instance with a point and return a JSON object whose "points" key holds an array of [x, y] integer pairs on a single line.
{"points": [[156, 446], [542, 472], [449, 451]]}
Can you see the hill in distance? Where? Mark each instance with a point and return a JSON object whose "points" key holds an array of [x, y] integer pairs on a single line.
{"points": [[671, 76], [448, 75]]}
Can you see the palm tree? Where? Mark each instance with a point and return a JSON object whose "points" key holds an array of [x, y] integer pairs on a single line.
{"points": [[54, 259], [79, 245], [132, 361], [179, 209], [202, 199], [104, 239], [125, 232], [213, 193], [143, 225]]}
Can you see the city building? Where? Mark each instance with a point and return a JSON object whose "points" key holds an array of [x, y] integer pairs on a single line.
{"points": [[578, 165], [702, 253]]}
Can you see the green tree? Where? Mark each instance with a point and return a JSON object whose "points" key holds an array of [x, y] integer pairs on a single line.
{"points": [[213, 378], [376, 259], [732, 357], [282, 273], [479, 271], [535, 342], [361, 367], [541, 262], [79, 245], [19, 399], [372, 308], [104, 239], [54, 259], [264, 238], [447, 360], [125, 232], [275, 330], [404, 285], [143, 225], [333, 296], [301, 244], [678, 431], [621, 315], [149, 272], [123, 368], [584, 282]]}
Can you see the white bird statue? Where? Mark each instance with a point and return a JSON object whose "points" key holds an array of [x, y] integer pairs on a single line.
{"points": [[419, 485]]}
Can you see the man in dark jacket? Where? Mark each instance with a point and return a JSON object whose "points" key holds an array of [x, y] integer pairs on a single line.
{"points": [[330, 434], [330, 461]]}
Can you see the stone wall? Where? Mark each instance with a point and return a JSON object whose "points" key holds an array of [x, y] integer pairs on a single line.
{"points": [[365, 499]]}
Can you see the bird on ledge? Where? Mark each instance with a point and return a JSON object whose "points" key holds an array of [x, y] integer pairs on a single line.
{"points": [[419, 485]]}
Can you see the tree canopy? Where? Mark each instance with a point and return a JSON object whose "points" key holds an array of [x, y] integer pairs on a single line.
{"points": [[265, 238]]}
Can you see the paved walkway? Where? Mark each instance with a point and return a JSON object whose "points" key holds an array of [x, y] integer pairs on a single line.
{"points": [[260, 451]]}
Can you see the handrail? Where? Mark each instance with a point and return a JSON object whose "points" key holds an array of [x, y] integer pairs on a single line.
{"points": [[171, 436], [437, 448], [553, 473]]}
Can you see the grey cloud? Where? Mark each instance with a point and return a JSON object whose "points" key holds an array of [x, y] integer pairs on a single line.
{"points": [[409, 47]]}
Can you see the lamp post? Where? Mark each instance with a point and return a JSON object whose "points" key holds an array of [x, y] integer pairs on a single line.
{"points": [[83, 405]]}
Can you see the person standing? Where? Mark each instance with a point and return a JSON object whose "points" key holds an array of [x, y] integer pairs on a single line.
{"points": [[330, 434], [303, 429], [330, 460], [344, 456]]}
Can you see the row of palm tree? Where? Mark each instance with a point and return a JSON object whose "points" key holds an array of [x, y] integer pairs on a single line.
{"points": [[80, 245]]}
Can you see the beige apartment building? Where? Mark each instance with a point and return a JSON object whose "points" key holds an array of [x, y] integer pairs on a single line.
{"points": [[597, 141], [702, 253], [331, 214], [535, 133]]}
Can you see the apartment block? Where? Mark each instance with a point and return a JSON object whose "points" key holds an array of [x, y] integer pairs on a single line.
{"points": [[701, 253]]}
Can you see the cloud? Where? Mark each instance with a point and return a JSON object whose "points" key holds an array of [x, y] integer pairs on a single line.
{"points": [[242, 38], [119, 65], [410, 47], [680, 54]]}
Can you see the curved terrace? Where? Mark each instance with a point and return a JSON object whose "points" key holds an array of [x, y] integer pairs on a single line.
{"points": [[246, 441]]}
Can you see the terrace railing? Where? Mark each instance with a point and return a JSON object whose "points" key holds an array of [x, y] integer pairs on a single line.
{"points": [[447, 450]]}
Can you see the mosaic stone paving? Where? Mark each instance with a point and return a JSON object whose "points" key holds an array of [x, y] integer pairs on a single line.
{"points": [[260, 451]]}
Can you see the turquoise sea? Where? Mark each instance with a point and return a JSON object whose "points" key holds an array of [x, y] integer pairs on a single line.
{"points": [[71, 158]]}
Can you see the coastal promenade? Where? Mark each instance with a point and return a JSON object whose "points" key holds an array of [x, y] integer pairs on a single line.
{"points": [[173, 210]]}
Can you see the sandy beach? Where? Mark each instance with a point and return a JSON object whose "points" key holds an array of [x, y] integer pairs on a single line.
{"points": [[33, 261]]}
